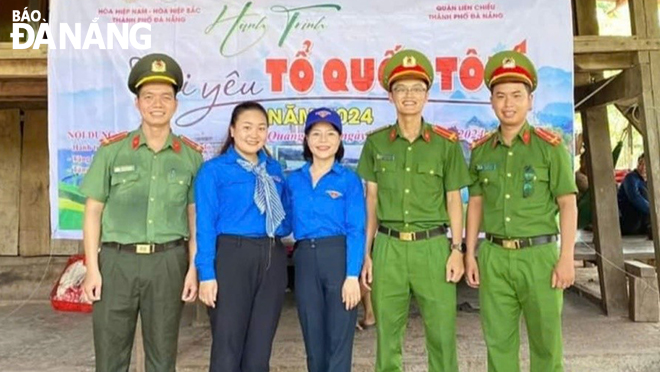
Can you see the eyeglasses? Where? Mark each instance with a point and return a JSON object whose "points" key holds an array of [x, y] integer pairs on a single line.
{"points": [[529, 176], [417, 90]]}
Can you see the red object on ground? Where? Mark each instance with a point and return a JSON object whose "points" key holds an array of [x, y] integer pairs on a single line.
{"points": [[67, 294]]}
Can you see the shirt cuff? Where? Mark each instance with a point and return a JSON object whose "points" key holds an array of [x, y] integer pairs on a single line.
{"points": [[206, 272]]}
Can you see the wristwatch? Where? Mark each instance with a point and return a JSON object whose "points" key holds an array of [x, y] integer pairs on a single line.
{"points": [[458, 247]]}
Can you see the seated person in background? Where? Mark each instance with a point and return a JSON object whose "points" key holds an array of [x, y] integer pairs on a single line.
{"points": [[583, 199], [634, 201], [581, 179]]}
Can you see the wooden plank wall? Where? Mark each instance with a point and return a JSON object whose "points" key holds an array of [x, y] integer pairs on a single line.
{"points": [[10, 173], [34, 230]]}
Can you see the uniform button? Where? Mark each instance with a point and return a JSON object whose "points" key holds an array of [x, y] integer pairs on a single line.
{"points": [[507, 219], [406, 225], [151, 199], [155, 157], [407, 191], [534, 178], [406, 212], [151, 221], [409, 148], [507, 196], [510, 153], [153, 177], [382, 169], [431, 171], [508, 175], [485, 180], [180, 182], [407, 169], [123, 181]]}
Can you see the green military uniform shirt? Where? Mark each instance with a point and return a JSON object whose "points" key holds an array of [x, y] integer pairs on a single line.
{"points": [[520, 183], [146, 194], [413, 178]]}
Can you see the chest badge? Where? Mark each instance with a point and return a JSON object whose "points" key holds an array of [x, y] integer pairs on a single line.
{"points": [[334, 194]]}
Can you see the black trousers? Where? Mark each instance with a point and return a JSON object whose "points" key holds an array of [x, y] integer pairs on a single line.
{"points": [[328, 328], [634, 223], [251, 275]]}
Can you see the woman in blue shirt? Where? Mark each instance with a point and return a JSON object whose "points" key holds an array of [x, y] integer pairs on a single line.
{"points": [[329, 216], [241, 262]]}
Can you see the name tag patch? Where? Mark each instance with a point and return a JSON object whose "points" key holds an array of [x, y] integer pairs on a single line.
{"points": [[124, 168], [486, 167], [385, 157]]}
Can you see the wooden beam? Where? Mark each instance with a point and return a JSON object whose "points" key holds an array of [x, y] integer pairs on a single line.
{"points": [[644, 23], [624, 86], [20, 68], [23, 89], [603, 62], [607, 236], [7, 51], [631, 112], [24, 105], [582, 78], [608, 44]]}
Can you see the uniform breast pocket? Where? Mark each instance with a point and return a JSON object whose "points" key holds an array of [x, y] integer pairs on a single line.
{"points": [[178, 187], [385, 171], [429, 176], [123, 186], [536, 183], [488, 181]]}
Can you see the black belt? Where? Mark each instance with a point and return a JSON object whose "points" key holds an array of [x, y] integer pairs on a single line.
{"points": [[330, 241], [412, 236], [521, 242], [145, 248]]}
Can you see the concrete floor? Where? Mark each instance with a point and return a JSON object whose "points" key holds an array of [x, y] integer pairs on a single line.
{"points": [[33, 337]]}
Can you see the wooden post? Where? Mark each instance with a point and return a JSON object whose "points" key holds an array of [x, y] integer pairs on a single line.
{"points": [[607, 234], [644, 303], [10, 168], [644, 23]]}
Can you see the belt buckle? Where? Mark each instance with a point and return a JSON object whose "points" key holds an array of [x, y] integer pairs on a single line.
{"points": [[406, 236], [144, 248], [511, 244]]}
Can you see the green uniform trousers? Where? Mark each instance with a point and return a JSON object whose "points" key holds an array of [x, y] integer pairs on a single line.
{"points": [[149, 285], [515, 281], [402, 269]]}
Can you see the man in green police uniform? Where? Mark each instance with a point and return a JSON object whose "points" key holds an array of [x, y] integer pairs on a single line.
{"points": [[414, 173], [522, 176], [140, 208]]}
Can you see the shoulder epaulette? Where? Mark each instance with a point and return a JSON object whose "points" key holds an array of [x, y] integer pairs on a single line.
{"points": [[550, 137], [114, 138], [192, 144], [446, 133], [377, 130], [481, 140]]}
